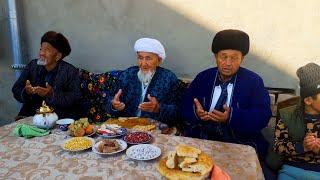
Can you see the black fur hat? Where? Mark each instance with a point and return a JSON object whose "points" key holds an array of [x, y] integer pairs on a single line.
{"points": [[58, 41], [231, 39]]}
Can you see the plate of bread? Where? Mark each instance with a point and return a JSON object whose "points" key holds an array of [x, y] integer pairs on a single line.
{"points": [[185, 162]]}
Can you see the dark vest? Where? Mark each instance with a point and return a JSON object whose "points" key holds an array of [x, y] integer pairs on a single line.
{"points": [[292, 118]]}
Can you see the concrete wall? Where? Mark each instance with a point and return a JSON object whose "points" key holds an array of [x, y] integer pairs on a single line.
{"points": [[8, 106], [284, 34]]}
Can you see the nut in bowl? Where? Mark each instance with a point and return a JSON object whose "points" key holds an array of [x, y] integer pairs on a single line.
{"points": [[81, 128], [63, 124]]}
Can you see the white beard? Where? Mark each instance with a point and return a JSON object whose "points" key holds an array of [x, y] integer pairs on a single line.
{"points": [[145, 77], [42, 62]]}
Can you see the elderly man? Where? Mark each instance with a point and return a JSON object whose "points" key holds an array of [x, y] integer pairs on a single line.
{"points": [[146, 90], [228, 103], [49, 79]]}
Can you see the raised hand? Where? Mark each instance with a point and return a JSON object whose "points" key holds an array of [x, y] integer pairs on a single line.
{"points": [[116, 103], [202, 114], [44, 92], [28, 87], [151, 106], [218, 116], [309, 142]]}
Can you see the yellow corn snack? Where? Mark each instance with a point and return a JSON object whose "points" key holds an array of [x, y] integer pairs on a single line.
{"points": [[78, 143]]}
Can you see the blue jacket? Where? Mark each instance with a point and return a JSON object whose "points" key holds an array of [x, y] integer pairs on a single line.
{"points": [[163, 86], [250, 109], [66, 89]]}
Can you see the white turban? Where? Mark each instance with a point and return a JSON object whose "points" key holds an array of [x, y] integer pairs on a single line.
{"points": [[150, 45]]}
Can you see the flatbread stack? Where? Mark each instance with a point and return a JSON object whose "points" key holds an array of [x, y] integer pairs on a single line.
{"points": [[185, 162], [135, 123]]}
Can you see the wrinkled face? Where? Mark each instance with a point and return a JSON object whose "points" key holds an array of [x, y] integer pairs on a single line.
{"points": [[228, 62], [49, 56], [148, 61], [313, 104]]}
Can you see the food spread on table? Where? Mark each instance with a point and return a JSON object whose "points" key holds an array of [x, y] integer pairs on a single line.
{"points": [[185, 162]]}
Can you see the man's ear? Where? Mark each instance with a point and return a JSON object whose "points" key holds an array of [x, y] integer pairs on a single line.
{"points": [[159, 60], [58, 56], [216, 56], [308, 101], [242, 58]]}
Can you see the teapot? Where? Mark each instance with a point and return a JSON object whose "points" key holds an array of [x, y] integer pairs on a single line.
{"points": [[45, 118]]}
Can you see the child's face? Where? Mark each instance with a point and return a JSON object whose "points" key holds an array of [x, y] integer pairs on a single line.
{"points": [[315, 104]]}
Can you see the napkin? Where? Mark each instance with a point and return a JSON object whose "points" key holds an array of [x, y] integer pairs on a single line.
{"points": [[29, 131]]}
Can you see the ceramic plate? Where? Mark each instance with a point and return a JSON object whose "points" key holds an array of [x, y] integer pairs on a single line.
{"points": [[122, 143], [138, 138], [123, 131], [143, 152], [77, 140]]}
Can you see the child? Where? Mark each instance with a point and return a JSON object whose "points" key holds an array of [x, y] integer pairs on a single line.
{"points": [[297, 134]]}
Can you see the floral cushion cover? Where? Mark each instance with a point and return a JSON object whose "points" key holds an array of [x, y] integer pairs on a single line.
{"points": [[95, 88]]}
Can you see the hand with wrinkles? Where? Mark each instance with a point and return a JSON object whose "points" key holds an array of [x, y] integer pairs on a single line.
{"points": [[28, 87], [116, 103], [151, 106], [219, 116], [202, 114], [44, 92]]}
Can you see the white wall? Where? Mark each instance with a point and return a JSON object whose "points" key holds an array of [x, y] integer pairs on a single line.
{"points": [[284, 34]]}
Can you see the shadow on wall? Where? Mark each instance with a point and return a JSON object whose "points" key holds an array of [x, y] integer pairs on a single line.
{"points": [[102, 38]]}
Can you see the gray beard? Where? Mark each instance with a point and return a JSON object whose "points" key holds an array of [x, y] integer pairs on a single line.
{"points": [[42, 62], [145, 77]]}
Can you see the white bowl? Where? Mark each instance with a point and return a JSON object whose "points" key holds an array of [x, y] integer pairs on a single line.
{"points": [[64, 121]]}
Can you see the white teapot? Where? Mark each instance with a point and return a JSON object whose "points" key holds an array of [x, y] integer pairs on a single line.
{"points": [[45, 117]]}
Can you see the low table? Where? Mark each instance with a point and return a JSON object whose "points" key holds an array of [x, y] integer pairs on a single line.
{"points": [[43, 158]]}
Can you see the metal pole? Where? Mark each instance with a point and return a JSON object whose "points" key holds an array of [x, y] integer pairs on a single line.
{"points": [[15, 35]]}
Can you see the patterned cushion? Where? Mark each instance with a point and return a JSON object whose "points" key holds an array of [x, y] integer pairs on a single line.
{"points": [[95, 88]]}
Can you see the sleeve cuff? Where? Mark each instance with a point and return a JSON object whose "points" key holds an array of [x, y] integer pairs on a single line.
{"points": [[113, 110], [24, 96]]}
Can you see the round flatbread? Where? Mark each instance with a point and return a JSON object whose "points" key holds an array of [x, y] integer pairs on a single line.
{"points": [[204, 160]]}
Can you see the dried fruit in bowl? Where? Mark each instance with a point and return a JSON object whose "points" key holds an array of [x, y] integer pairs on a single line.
{"points": [[81, 128]]}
